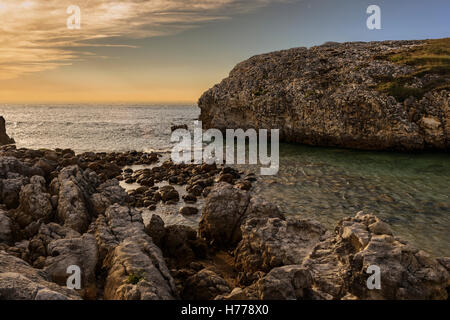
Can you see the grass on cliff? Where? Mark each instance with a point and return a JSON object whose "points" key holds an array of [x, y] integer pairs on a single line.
{"points": [[431, 59], [135, 277]]}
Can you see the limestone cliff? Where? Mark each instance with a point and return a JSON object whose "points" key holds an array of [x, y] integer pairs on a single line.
{"points": [[390, 95]]}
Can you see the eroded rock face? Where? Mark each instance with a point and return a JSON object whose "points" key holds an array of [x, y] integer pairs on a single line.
{"points": [[226, 208], [81, 252], [6, 233], [327, 96], [339, 264], [205, 285], [292, 282], [268, 243], [135, 267], [74, 186], [35, 203], [19, 281]]}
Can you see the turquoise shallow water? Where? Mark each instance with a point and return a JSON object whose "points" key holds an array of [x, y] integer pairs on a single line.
{"points": [[410, 191]]}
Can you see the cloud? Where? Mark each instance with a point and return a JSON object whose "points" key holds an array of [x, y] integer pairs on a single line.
{"points": [[34, 35]]}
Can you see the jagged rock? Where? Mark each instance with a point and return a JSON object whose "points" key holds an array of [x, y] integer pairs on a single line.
{"points": [[74, 187], [339, 264], [109, 192], [181, 246], [134, 265], [226, 208], [291, 282], [11, 167], [35, 204], [331, 96], [4, 138], [156, 229], [10, 191], [205, 285], [19, 281], [268, 243], [6, 232], [81, 252]]}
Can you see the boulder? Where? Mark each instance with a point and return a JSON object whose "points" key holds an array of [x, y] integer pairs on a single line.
{"points": [[226, 209], [205, 285], [19, 281], [292, 282], [268, 243]]}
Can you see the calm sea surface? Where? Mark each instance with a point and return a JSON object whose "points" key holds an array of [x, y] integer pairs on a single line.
{"points": [[410, 191]]}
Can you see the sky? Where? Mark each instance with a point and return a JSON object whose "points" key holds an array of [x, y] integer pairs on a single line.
{"points": [[171, 51]]}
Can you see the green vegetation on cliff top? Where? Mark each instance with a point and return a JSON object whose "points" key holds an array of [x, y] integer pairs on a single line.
{"points": [[431, 62]]}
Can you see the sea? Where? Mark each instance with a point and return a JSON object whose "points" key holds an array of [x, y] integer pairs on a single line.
{"points": [[410, 191]]}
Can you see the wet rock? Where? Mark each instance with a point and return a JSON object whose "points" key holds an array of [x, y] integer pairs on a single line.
{"points": [[168, 193], [188, 211], [205, 285], [190, 198]]}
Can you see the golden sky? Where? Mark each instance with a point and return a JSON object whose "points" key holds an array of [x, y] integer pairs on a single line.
{"points": [[41, 60]]}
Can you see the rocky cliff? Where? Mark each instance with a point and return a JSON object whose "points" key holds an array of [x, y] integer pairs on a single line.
{"points": [[391, 95], [4, 138]]}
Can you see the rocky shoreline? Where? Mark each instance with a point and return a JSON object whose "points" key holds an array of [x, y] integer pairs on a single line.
{"points": [[60, 209]]}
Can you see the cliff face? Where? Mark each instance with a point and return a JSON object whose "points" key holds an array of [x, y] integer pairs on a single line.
{"points": [[391, 95]]}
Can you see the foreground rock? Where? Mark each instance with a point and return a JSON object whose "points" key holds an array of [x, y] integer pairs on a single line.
{"points": [[348, 95], [268, 243], [134, 265], [226, 209], [339, 264]]}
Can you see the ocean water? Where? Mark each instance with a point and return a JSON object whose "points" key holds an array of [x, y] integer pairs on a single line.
{"points": [[95, 127], [409, 191]]}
